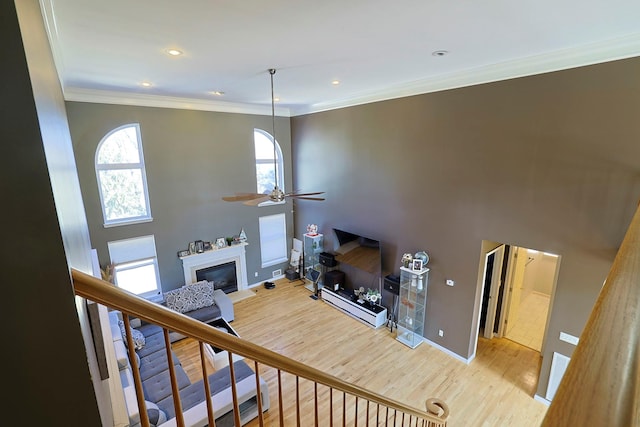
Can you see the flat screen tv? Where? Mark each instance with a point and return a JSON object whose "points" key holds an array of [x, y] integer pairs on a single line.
{"points": [[360, 259]]}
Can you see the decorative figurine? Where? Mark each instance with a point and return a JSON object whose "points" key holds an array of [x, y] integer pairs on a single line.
{"points": [[406, 260], [312, 229]]}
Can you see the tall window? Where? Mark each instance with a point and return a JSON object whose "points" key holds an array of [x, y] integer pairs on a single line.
{"points": [[122, 180], [136, 265], [273, 239], [265, 173]]}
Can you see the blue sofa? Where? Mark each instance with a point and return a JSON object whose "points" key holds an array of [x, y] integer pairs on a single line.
{"points": [[154, 372]]}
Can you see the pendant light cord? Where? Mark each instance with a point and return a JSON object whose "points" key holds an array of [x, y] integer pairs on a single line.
{"points": [[272, 71]]}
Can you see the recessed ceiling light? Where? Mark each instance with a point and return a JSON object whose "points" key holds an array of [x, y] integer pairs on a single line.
{"points": [[440, 52], [146, 84], [174, 52], [217, 93], [335, 82]]}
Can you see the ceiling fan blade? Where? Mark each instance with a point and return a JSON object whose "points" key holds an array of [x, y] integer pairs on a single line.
{"points": [[257, 201], [240, 197], [294, 193], [306, 198]]}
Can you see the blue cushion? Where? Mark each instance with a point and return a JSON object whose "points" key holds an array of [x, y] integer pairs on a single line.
{"points": [[194, 394], [158, 387], [155, 363]]}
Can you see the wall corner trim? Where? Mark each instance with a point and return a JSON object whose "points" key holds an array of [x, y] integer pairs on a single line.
{"points": [[541, 399], [449, 352]]}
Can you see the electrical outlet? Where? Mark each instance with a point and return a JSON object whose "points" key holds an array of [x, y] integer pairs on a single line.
{"points": [[255, 274], [450, 282], [440, 333]]}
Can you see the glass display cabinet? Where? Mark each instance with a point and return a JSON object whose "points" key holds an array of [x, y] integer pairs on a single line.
{"points": [[411, 309], [312, 247]]}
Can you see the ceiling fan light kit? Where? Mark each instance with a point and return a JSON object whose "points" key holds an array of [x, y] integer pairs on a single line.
{"points": [[276, 195]]}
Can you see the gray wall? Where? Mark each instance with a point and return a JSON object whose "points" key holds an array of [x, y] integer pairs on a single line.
{"points": [[45, 233], [549, 162], [193, 158]]}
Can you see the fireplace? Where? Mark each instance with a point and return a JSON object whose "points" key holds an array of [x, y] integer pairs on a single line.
{"points": [[234, 255], [223, 276]]}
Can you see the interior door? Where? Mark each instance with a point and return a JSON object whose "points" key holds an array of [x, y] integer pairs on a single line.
{"points": [[496, 270], [515, 289]]}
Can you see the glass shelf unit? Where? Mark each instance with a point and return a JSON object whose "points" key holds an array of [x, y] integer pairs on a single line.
{"points": [[413, 302], [312, 247]]}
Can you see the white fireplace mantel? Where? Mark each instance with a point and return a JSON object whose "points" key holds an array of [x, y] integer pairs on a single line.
{"points": [[235, 253]]}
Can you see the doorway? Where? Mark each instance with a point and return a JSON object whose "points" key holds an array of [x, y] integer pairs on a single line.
{"points": [[517, 289]]}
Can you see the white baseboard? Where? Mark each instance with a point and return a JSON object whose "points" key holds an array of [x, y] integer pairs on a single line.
{"points": [[260, 283], [449, 352], [541, 400]]}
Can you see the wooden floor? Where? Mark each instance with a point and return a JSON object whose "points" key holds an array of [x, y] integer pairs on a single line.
{"points": [[495, 389]]}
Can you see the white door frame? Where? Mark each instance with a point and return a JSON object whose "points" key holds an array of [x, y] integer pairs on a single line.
{"points": [[508, 290], [496, 280]]}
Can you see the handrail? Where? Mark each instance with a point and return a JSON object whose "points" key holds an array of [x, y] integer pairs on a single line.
{"points": [[601, 386], [102, 292]]}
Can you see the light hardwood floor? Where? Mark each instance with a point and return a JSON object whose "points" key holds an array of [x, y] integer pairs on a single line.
{"points": [[495, 389]]}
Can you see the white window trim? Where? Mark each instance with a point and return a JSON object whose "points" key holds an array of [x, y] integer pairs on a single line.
{"points": [[276, 221], [114, 166], [279, 163], [271, 203], [131, 265], [140, 251]]}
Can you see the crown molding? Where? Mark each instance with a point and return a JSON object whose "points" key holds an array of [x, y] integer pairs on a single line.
{"points": [[146, 100], [595, 53]]}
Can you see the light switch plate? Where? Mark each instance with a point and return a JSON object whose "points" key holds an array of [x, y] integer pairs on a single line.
{"points": [[569, 338]]}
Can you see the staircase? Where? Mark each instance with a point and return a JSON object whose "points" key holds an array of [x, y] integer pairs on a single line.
{"points": [[339, 402]]}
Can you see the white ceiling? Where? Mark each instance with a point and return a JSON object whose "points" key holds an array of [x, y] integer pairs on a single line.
{"points": [[376, 49]]}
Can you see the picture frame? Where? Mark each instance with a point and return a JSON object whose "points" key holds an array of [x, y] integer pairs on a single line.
{"points": [[416, 265], [199, 246], [192, 247], [207, 246], [183, 252], [221, 242]]}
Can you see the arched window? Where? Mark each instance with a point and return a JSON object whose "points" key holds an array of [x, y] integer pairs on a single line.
{"points": [[265, 175], [122, 180]]}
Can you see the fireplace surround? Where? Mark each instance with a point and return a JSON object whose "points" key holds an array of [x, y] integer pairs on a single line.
{"points": [[215, 257]]}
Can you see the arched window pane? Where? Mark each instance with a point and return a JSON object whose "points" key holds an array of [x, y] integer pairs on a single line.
{"points": [[265, 173], [122, 193], [264, 147], [121, 176], [120, 147]]}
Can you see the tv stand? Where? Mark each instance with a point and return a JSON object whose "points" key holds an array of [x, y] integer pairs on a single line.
{"points": [[374, 316]]}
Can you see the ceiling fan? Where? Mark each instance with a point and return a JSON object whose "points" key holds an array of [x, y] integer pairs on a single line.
{"points": [[276, 195]]}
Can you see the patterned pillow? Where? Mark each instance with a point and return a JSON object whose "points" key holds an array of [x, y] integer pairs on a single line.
{"points": [[190, 297], [156, 415], [137, 336]]}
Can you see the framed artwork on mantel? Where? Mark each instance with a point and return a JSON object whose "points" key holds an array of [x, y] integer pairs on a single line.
{"points": [[221, 242]]}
